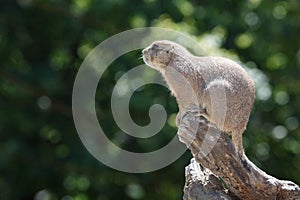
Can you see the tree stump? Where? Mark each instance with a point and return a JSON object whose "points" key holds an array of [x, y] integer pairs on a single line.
{"points": [[216, 172]]}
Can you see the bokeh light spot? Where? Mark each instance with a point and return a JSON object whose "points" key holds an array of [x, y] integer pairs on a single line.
{"points": [[279, 132], [279, 12], [282, 98], [251, 19], [244, 40], [292, 123], [172, 120], [42, 195], [83, 183], [276, 61], [135, 191], [44, 102]]}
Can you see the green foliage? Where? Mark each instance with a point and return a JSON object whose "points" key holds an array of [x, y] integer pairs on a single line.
{"points": [[42, 44]]}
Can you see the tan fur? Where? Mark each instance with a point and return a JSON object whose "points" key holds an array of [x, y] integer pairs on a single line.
{"points": [[206, 77]]}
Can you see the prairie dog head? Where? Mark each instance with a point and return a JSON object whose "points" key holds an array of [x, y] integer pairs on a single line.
{"points": [[168, 57], [159, 54]]}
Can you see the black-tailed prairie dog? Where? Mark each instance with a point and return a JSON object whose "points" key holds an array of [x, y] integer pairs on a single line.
{"points": [[210, 84]]}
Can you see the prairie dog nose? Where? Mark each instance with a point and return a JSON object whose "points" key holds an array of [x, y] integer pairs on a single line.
{"points": [[144, 51]]}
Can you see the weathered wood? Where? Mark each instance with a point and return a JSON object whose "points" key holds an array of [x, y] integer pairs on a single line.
{"points": [[201, 183], [213, 150]]}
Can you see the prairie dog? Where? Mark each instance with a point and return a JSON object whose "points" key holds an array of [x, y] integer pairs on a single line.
{"points": [[215, 81]]}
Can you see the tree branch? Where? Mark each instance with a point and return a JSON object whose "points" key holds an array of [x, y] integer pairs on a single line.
{"points": [[201, 183], [213, 149]]}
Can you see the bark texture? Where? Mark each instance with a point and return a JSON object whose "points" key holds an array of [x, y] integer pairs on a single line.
{"points": [[218, 173]]}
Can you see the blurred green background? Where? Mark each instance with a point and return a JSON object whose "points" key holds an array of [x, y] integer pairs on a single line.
{"points": [[42, 44]]}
